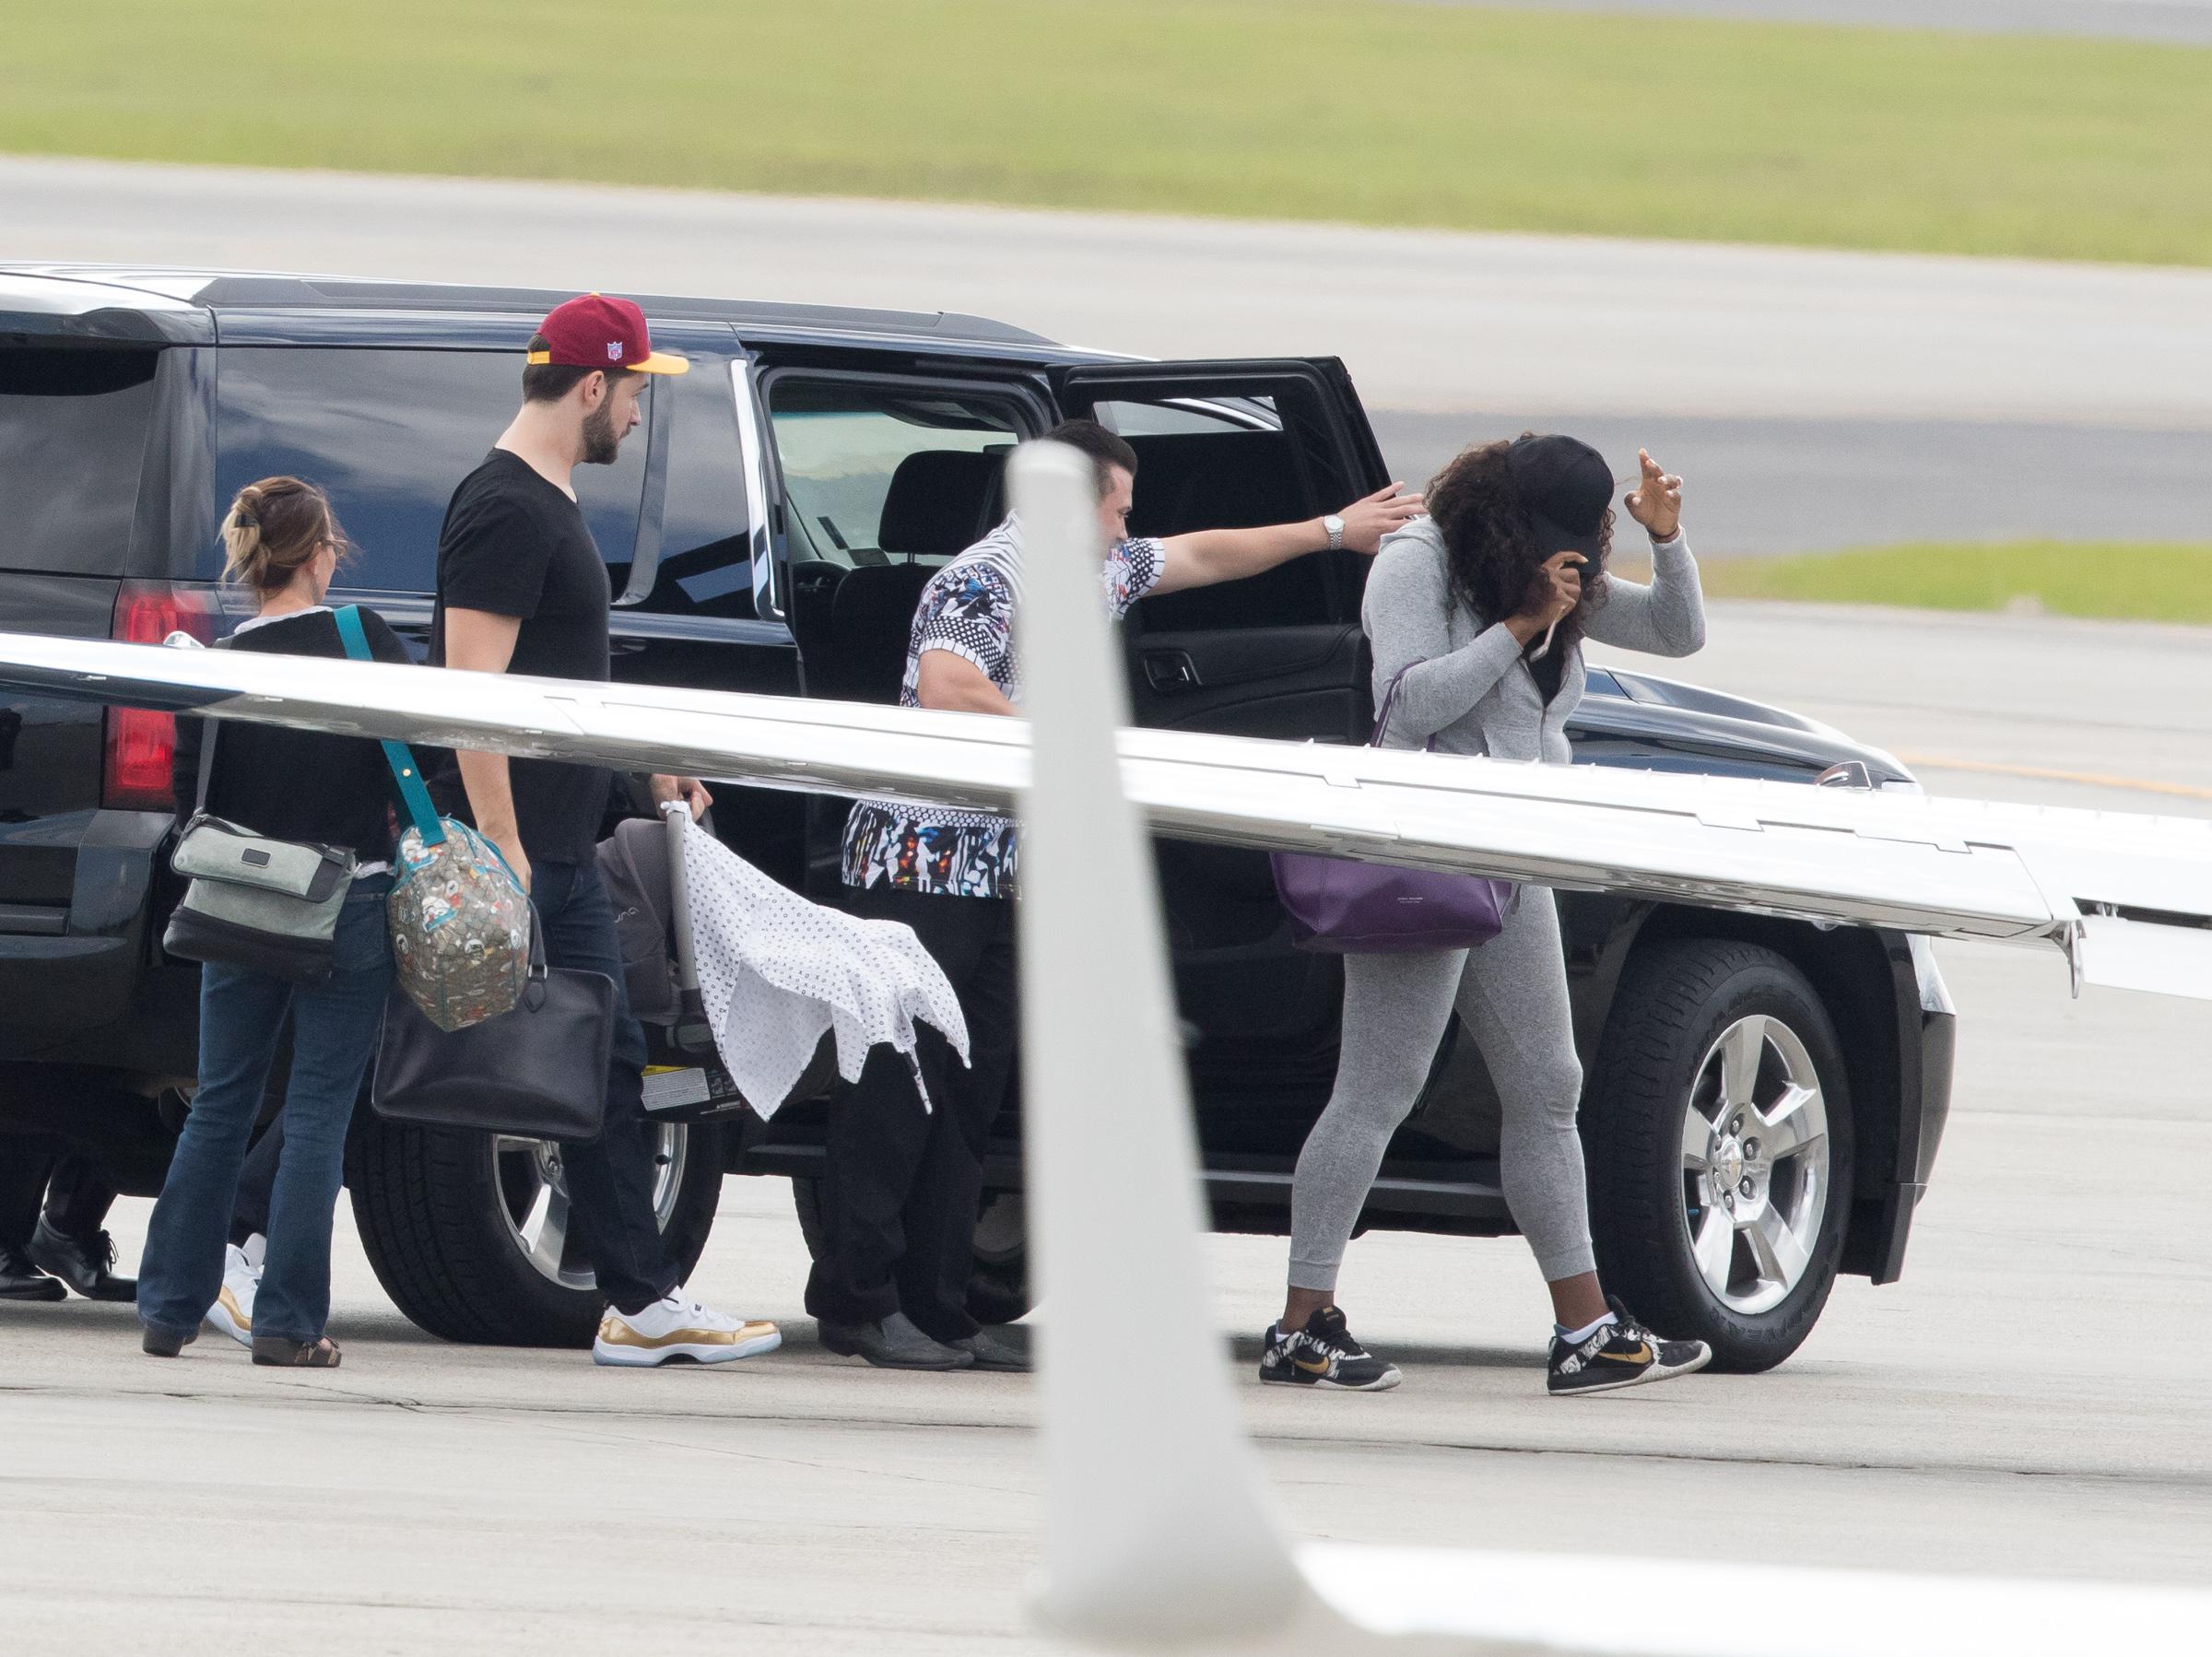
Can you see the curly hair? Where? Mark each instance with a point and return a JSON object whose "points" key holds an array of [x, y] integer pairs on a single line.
{"points": [[1495, 560]]}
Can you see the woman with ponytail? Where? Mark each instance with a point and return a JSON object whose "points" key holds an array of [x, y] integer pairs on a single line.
{"points": [[282, 545]]}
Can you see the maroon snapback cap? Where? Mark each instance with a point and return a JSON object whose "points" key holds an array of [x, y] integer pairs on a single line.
{"points": [[594, 332]]}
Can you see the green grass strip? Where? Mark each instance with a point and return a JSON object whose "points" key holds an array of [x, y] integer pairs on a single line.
{"points": [[2136, 581], [1346, 110]]}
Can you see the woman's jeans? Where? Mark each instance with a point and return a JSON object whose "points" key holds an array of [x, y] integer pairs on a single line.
{"points": [[334, 1027]]}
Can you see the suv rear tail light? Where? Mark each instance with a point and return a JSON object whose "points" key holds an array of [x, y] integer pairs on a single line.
{"points": [[141, 744]]}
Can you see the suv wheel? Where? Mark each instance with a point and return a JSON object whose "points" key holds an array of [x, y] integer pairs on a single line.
{"points": [[998, 1288], [469, 1233], [1718, 1132]]}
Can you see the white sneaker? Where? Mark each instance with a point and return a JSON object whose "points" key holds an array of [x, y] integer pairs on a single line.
{"points": [[233, 1310], [676, 1326]]}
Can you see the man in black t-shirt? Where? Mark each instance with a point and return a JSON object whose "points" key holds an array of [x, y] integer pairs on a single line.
{"points": [[521, 589]]}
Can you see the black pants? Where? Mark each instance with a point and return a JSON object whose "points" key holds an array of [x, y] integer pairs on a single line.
{"points": [[900, 1189], [257, 1184], [74, 1188], [610, 1177]]}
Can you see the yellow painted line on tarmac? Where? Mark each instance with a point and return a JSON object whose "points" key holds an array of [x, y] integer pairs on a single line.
{"points": [[2145, 786]]}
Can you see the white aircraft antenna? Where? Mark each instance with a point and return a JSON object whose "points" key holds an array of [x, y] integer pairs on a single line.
{"points": [[1157, 1523]]}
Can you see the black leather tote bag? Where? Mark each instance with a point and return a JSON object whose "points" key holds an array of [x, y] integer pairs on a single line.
{"points": [[538, 1072]]}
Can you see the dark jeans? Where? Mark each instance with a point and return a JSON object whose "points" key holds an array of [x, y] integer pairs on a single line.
{"points": [[73, 1187], [900, 1188], [334, 1028], [610, 1178]]}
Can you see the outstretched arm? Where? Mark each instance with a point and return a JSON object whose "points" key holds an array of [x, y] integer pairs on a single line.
{"points": [[1206, 556]]}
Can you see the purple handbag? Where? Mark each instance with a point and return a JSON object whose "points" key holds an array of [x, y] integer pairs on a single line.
{"points": [[1338, 905]]}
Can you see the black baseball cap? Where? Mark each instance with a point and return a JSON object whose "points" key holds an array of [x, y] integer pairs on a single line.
{"points": [[1566, 486]]}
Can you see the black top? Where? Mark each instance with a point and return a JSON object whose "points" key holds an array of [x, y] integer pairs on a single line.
{"points": [[1549, 672], [298, 785], [514, 544]]}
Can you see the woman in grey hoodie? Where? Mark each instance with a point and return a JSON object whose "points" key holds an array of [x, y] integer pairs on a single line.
{"points": [[1477, 614]]}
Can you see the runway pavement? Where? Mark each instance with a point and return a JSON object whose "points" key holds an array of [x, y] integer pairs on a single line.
{"points": [[2027, 1400], [1813, 399]]}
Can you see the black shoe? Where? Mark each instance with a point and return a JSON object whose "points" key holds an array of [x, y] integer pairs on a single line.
{"points": [[997, 1349], [21, 1280], [161, 1342], [1622, 1354], [1324, 1354], [82, 1263], [894, 1344]]}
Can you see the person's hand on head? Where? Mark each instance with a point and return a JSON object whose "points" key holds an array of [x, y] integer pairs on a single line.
{"points": [[1368, 520], [1563, 571], [1656, 501], [1556, 591]]}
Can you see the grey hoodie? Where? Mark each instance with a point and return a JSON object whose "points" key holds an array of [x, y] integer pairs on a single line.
{"points": [[1471, 690]]}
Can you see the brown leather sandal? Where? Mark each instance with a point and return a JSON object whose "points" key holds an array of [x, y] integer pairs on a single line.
{"points": [[280, 1352]]}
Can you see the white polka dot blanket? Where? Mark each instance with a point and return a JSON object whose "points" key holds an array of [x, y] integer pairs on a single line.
{"points": [[776, 971]]}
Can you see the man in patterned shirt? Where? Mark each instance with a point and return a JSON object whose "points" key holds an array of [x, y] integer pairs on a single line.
{"points": [[900, 1189]]}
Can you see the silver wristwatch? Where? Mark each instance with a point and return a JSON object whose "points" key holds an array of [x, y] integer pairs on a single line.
{"points": [[1335, 525]]}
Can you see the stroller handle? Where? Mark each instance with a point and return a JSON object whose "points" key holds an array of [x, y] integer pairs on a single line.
{"points": [[678, 816]]}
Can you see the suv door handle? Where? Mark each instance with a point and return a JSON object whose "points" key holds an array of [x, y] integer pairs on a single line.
{"points": [[1171, 670]]}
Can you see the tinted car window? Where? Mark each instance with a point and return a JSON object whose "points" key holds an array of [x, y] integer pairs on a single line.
{"points": [[389, 434], [72, 428], [841, 443], [1224, 477], [706, 551], [1186, 415]]}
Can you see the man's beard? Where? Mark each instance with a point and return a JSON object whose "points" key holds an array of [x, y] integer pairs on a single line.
{"points": [[601, 441]]}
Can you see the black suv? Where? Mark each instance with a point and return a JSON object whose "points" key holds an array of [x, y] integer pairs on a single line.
{"points": [[768, 530]]}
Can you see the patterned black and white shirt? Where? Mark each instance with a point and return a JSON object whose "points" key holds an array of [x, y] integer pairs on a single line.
{"points": [[968, 608]]}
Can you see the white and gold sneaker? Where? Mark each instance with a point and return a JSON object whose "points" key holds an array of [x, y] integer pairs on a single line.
{"points": [[674, 1328], [233, 1310]]}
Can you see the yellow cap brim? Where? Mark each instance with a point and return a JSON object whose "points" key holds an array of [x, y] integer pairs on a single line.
{"points": [[659, 363]]}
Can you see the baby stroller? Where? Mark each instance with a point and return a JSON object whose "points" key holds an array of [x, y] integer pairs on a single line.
{"points": [[641, 865]]}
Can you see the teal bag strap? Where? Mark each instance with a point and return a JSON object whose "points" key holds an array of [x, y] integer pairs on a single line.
{"points": [[396, 754]]}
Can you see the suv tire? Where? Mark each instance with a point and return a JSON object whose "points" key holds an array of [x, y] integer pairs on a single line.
{"points": [[439, 1212], [998, 1288], [1663, 1137]]}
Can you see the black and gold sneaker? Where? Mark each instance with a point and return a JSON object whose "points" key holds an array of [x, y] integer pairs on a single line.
{"points": [[1324, 1354], [1622, 1354]]}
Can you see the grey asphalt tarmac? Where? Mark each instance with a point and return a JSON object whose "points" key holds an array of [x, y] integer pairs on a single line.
{"points": [[2027, 1402], [1812, 399]]}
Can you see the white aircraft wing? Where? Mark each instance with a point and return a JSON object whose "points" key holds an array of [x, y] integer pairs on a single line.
{"points": [[2129, 897]]}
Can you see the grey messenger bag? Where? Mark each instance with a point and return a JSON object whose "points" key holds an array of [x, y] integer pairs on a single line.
{"points": [[266, 905]]}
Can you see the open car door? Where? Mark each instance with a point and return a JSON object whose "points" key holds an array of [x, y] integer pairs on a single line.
{"points": [[1232, 445]]}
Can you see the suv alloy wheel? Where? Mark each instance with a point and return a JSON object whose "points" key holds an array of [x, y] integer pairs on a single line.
{"points": [[1718, 1132], [469, 1233]]}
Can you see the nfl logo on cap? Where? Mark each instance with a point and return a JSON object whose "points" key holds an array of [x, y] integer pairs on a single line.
{"points": [[614, 350]]}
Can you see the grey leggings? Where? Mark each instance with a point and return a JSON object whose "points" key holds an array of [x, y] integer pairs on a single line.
{"points": [[1513, 995]]}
